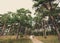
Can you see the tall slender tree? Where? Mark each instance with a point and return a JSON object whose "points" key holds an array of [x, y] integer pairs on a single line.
{"points": [[23, 18], [48, 7]]}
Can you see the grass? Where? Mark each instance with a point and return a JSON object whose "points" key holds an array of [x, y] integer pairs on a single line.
{"points": [[49, 39], [8, 39], [12, 39], [16, 41]]}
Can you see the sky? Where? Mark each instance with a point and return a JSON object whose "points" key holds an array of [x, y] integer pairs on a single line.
{"points": [[13, 5]]}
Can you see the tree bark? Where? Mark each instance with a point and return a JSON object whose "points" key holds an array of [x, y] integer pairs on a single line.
{"points": [[56, 27], [44, 27], [58, 33], [3, 29], [25, 30], [17, 35]]}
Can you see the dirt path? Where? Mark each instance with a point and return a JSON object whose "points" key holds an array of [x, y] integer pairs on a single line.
{"points": [[34, 40]]}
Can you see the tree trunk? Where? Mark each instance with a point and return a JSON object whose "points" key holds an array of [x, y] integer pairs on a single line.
{"points": [[56, 27], [17, 35], [45, 36], [3, 29], [11, 30], [58, 33], [44, 27], [25, 30]]}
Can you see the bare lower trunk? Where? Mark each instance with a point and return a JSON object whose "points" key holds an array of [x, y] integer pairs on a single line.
{"points": [[56, 27], [44, 27], [45, 36], [3, 29], [58, 34], [17, 34], [25, 30]]}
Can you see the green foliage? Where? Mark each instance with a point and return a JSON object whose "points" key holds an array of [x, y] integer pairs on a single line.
{"points": [[45, 8], [41, 2], [22, 17], [25, 17]]}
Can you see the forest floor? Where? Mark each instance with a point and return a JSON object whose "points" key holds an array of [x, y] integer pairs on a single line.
{"points": [[49, 39], [29, 39]]}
